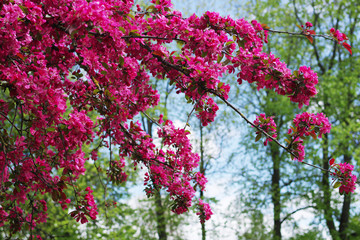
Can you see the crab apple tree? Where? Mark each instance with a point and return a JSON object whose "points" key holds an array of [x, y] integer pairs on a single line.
{"points": [[63, 61]]}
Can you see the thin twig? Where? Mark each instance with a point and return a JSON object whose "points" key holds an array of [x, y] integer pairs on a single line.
{"points": [[302, 34], [154, 37], [187, 121], [295, 211], [151, 119]]}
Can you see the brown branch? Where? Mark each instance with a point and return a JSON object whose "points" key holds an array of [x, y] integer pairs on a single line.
{"points": [[154, 37], [302, 34], [293, 212]]}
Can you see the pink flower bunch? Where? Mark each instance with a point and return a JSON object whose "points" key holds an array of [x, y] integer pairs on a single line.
{"points": [[307, 124], [173, 164], [268, 125], [3, 216], [208, 111], [303, 88], [87, 207], [268, 71], [204, 212], [307, 32], [201, 180], [340, 38], [344, 177], [308, 24], [310, 123]]}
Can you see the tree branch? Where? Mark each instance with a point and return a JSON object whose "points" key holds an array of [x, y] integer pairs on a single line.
{"points": [[293, 212]]}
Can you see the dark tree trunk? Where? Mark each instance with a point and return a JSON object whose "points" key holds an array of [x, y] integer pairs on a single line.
{"points": [[275, 190], [160, 217], [202, 170], [326, 205], [345, 213], [159, 209]]}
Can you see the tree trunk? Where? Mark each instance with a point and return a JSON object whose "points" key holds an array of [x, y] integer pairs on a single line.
{"points": [[328, 213], [345, 213], [202, 170], [275, 190], [160, 217], [159, 209]]}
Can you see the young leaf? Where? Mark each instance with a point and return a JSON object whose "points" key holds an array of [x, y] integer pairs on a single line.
{"points": [[348, 47], [312, 32], [158, 53], [265, 26], [313, 135], [258, 137], [310, 39]]}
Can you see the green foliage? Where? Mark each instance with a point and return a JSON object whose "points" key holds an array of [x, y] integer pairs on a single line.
{"points": [[312, 234]]}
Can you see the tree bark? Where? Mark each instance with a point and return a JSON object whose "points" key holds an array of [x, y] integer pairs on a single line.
{"points": [[159, 209], [202, 171], [345, 213], [275, 190], [160, 217], [326, 204]]}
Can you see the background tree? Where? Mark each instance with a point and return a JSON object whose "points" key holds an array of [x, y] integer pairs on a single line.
{"points": [[339, 89]]}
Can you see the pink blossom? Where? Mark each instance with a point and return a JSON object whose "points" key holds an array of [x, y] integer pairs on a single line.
{"points": [[268, 125]]}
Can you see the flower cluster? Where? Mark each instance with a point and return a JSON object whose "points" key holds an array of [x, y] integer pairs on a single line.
{"points": [[308, 24], [340, 38], [268, 125], [88, 207], [306, 124], [343, 177], [304, 87], [172, 166], [307, 32], [204, 212]]}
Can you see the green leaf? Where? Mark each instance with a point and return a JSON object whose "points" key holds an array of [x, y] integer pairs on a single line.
{"points": [[121, 61], [337, 184], [105, 65], [220, 57], [228, 43], [313, 135], [24, 9], [258, 137], [55, 196], [73, 33], [122, 29], [51, 129], [204, 54], [296, 73]]}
